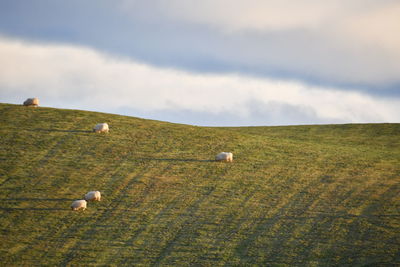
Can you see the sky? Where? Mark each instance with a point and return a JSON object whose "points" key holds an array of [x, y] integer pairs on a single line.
{"points": [[209, 62]]}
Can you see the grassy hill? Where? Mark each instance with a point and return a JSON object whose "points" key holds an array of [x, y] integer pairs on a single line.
{"points": [[297, 195]]}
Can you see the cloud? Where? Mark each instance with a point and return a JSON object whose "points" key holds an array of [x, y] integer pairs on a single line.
{"points": [[376, 26], [238, 15], [258, 113], [343, 44], [367, 21], [336, 41], [367, 18], [78, 77]]}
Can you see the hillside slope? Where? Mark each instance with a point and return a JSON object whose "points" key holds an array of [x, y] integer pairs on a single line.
{"points": [[296, 195]]}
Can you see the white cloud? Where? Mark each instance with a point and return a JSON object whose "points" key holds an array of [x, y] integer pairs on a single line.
{"points": [[77, 77]]}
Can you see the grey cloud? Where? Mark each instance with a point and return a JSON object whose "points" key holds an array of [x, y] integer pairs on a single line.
{"points": [[259, 114]]}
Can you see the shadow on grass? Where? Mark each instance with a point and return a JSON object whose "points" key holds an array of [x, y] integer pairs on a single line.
{"points": [[174, 159], [38, 199], [27, 209], [16, 200], [61, 131]]}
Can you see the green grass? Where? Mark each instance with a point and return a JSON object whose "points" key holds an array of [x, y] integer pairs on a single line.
{"points": [[323, 195]]}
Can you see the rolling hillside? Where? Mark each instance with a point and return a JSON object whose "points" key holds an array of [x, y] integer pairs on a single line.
{"points": [[294, 196]]}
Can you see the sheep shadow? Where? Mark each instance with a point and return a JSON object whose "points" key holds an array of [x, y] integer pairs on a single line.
{"points": [[175, 159], [62, 131]]}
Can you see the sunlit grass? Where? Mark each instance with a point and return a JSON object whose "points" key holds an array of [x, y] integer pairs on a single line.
{"points": [[295, 195]]}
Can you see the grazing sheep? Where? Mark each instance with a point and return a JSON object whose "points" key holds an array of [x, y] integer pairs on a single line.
{"points": [[224, 156], [78, 205], [32, 102], [93, 196], [101, 128]]}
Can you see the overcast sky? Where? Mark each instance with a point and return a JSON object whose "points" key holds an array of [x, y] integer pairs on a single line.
{"points": [[209, 62]]}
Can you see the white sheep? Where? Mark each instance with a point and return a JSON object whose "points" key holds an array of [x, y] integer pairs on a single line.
{"points": [[32, 102], [101, 128], [79, 204], [93, 196], [224, 156]]}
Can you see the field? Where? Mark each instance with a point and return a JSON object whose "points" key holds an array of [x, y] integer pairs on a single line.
{"points": [[323, 195]]}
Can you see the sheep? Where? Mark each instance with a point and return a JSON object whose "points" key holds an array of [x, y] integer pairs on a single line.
{"points": [[101, 128], [79, 204], [32, 102], [224, 156], [93, 196]]}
